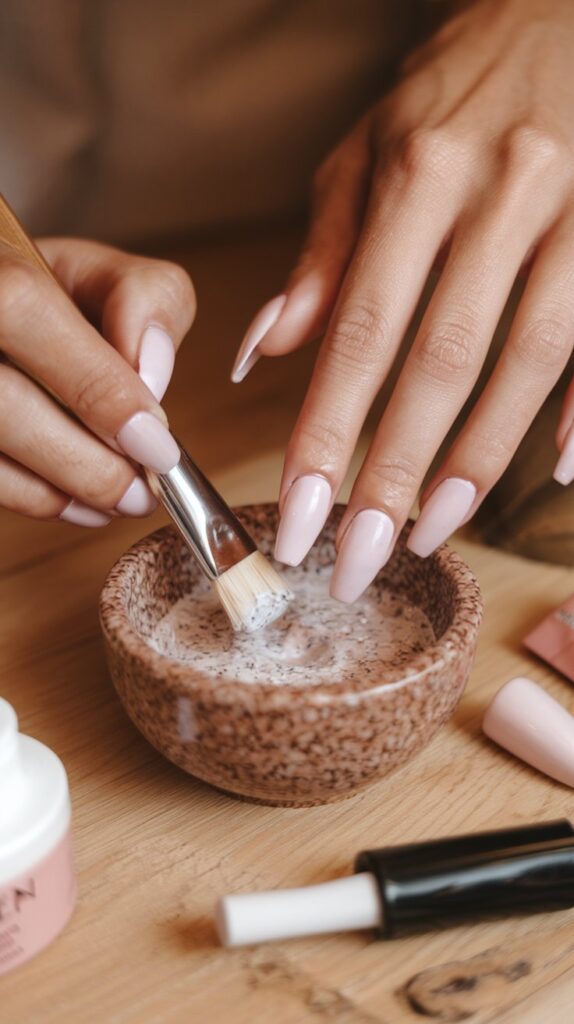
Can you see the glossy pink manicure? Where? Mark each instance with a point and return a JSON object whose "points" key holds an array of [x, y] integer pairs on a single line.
{"points": [[263, 322], [156, 360], [443, 513], [306, 508], [137, 500], [564, 472], [365, 548], [145, 440], [529, 723], [83, 515]]}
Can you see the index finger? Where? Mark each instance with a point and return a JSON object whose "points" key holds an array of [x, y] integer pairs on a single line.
{"points": [[46, 335], [143, 307]]}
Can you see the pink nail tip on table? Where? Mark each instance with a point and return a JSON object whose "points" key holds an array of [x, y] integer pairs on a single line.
{"points": [[528, 722]]}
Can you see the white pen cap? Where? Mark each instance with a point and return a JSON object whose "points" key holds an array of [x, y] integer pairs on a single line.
{"points": [[343, 905]]}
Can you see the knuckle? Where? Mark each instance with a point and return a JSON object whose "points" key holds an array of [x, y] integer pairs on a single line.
{"points": [[10, 388], [448, 350], [492, 448], [176, 284], [101, 388], [394, 479], [545, 343], [103, 486], [323, 441], [19, 293], [360, 337], [529, 148], [428, 152]]}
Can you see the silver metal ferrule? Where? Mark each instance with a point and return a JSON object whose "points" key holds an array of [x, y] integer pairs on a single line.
{"points": [[215, 535]]}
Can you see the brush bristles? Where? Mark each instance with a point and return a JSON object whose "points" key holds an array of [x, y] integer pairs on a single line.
{"points": [[252, 593]]}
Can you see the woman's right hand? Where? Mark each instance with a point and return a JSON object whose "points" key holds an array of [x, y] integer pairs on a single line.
{"points": [[111, 377]]}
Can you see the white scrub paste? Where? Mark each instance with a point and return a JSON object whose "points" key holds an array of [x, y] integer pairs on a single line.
{"points": [[316, 640]]}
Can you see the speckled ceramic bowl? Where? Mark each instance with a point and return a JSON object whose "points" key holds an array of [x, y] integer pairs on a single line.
{"points": [[287, 744]]}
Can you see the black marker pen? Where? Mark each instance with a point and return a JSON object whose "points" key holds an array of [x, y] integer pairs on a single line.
{"points": [[400, 889]]}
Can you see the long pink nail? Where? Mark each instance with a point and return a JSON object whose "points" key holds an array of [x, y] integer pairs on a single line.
{"points": [[443, 513], [364, 550], [564, 472], [529, 723], [83, 515], [146, 440], [156, 360], [263, 322], [306, 508], [137, 500]]}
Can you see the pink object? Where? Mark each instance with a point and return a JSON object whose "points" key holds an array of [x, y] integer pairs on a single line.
{"points": [[145, 439], [37, 882], [529, 723], [553, 639], [304, 513], [443, 512], [263, 322], [156, 361], [83, 515], [564, 472], [36, 906], [137, 500], [364, 550]]}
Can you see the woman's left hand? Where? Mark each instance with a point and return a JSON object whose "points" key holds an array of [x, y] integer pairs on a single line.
{"points": [[472, 154]]}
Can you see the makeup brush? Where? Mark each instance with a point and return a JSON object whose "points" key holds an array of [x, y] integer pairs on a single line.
{"points": [[250, 590]]}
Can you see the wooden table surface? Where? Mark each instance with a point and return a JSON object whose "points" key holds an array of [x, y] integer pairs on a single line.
{"points": [[155, 848]]}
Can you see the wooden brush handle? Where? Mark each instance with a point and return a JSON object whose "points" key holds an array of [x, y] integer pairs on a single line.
{"points": [[13, 235]]}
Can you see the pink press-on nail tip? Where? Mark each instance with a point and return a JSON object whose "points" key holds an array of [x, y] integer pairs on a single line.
{"points": [[564, 471], [146, 440], [137, 499], [303, 517], [533, 726], [156, 360], [82, 515], [263, 322], [443, 512], [364, 550]]}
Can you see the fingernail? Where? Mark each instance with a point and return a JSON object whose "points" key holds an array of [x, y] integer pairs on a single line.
{"points": [[137, 500], [364, 550], [564, 472], [263, 322], [443, 513], [157, 358], [533, 726], [146, 440], [83, 515], [304, 513]]}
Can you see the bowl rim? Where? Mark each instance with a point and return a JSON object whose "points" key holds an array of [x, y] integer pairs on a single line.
{"points": [[120, 633]]}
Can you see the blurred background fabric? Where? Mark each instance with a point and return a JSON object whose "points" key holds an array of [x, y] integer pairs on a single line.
{"points": [[127, 119]]}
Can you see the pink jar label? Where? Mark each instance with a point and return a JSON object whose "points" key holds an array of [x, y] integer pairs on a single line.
{"points": [[35, 906]]}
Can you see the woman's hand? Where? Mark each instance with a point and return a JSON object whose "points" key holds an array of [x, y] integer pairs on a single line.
{"points": [[111, 376], [472, 155]]}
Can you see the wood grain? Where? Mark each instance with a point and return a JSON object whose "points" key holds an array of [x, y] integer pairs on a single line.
{"points": [[155, 848]]}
